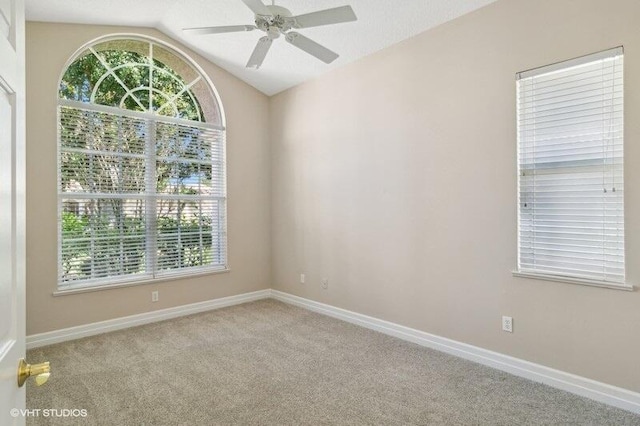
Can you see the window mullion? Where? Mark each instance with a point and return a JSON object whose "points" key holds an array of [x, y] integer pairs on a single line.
{"points": [[94, 203], [151, 198]]}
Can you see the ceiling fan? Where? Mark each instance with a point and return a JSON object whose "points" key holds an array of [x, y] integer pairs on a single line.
{"points": [[276, 21]]}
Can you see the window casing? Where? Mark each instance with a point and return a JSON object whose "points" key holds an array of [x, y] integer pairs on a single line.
{"points": [[141, 161], [570, 170]]}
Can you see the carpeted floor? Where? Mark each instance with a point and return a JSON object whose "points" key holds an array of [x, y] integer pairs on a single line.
{"points": [[268, 363]]}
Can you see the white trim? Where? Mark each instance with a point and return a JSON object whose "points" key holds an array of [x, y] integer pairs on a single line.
{"points": [[546, 69], [598, 391], [102, 284], [571, 280], [72, 333], [8, 70]]}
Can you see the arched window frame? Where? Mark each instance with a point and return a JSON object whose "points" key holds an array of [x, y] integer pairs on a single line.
{"points": [[208, 130]]}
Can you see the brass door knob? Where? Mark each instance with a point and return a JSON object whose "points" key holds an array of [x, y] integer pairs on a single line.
{"points": [[41, 372]]}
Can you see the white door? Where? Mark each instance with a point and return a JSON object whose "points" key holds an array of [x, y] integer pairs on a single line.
{"points": [[12, 213]]}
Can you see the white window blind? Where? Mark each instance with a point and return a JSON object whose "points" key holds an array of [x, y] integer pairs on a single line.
{"points": [[570, 167], [139, 197]]}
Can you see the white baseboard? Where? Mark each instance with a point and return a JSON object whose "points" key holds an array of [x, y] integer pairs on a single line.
{"points": [[72, 333], [598, 391]]}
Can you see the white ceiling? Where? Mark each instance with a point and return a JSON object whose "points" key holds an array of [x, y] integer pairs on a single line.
{"points": [[381, 23]]}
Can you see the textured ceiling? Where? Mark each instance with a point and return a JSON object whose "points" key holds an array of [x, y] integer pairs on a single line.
{"points": [[381, 23]]}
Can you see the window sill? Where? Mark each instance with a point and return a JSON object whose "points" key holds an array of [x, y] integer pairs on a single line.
{"points": [[140, 281], [581, 281]]}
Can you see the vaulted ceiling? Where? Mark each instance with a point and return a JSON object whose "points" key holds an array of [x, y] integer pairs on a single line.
{"points": [[381, 23]]}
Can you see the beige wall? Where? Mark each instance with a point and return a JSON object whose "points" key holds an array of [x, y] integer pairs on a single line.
{"points": [[395, 177], [49, 46]]}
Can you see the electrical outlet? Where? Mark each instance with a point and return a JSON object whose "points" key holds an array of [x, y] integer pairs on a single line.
{"points": [[154, 296], [507, 324], [325, 283], [301, 278]]}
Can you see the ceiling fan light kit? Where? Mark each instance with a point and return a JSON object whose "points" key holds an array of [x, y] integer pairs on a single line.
{"points": [[276, 21]]}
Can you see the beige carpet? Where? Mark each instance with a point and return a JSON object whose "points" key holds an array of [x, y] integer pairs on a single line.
{"points": [[267, 363]]}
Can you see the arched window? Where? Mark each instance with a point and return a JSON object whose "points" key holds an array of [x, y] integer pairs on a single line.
{"points": [[141, 184]]}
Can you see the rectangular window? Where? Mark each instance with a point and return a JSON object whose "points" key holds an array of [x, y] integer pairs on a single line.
{"points": [[139, 198], [570, 170]]}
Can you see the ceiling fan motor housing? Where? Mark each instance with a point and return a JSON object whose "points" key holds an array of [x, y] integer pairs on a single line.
{"points": [[278, 23]]}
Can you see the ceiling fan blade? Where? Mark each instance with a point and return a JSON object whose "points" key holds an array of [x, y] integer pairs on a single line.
{"points": [[311, 47], [257, 7], [220, 30], [325, 17], [259, 53]]}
